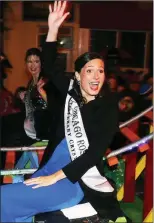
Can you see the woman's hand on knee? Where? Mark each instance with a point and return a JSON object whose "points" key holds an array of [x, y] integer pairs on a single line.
{"points": [[44, 181]]}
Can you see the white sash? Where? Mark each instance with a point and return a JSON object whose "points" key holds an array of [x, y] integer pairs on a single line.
{"points": [[78, 143]]}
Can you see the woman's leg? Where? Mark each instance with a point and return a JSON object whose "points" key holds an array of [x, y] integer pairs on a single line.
{"points": [[20, 201]]}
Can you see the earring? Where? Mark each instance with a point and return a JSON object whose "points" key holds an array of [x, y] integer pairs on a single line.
{"points": [[78, 82]]}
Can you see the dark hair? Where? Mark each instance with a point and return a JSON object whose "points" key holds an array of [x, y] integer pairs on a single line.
{"points": [[85, 58], [122, 82], [148, 76], [33, 51], [17, 101], [79, 64]]}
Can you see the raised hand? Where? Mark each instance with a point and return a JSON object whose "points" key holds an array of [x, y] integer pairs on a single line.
{"points": [[40, 89], [40, 84], [57, 14]]}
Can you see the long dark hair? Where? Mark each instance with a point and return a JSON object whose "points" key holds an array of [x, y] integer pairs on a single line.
{"points": [[79, 64], [35, 52]]}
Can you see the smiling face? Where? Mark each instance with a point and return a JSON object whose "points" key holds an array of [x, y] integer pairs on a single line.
{"points": [[33, 65], [91, 78]]}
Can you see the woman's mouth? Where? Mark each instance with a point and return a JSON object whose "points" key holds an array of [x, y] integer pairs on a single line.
{"points": [[94, 85], [34, 70]]}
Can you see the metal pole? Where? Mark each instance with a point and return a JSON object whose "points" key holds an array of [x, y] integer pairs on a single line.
{"points": [[32, 148], [114, 153], [136, 117], [15, 172], [130, 147], [17, 149]]}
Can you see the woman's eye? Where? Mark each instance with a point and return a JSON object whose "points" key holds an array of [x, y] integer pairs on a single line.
{"points": [[89, 71], [101, 71]]}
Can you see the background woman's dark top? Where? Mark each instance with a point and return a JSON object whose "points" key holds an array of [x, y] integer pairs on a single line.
{"points": [[45, 114], [100, 119]]}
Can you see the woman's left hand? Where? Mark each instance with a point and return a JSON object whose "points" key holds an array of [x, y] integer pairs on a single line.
{"points": [[40, 84], [40, 89], [42, 181]]}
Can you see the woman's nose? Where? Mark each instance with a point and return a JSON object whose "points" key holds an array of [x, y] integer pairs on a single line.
{"points": [[96, 75], [33, 64]]}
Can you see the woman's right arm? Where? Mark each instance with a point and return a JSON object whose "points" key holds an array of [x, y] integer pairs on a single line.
{"points": [[54, 73], [51, 71]]}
